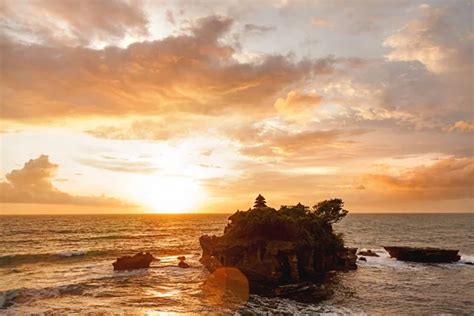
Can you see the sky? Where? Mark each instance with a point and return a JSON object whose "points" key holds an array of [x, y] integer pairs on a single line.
{"points": [[198, 106]]}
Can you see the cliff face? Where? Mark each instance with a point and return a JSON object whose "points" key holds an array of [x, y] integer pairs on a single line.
{"points": [[274, 248], [275, 262]]}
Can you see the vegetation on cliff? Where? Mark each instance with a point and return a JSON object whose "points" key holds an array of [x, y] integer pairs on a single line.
{"points": [[312, 226]]}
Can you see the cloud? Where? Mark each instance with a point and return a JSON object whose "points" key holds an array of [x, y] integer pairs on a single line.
{"points": [[32, 184], [297, 105], [170, 17], [120, 165], [451, 178], [321, 22], [289, 143], [430, 41], [462, 126], [188, 73], [73, 22], [258, 29]]}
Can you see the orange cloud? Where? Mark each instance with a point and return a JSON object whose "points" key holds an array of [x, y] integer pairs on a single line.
{"points": [[430, 41], [73, 22], [462, 126], [188, 73], [321, 22], [32, 184], [261, 142], [451, 178], [297, 105]]}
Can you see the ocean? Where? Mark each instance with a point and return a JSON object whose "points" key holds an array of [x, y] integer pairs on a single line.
{"points": [[63, 264]]}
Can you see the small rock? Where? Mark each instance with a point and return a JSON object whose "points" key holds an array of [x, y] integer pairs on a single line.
{"points": [[183, 264], [469, 263], [139, 261], [181, 258], [362, 258], [368, 253]]}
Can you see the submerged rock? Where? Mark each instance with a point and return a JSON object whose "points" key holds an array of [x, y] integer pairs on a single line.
{"points": [[362, 258], [138, 261], [368, 253], [425, 255], [274, 248]]}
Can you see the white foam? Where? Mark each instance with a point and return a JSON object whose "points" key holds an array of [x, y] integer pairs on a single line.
{"points": [[467, 258], [384, 260], [267, 306], [72, 253]]}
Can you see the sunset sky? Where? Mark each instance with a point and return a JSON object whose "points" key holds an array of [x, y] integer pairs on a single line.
{"points": [[198, 106]]}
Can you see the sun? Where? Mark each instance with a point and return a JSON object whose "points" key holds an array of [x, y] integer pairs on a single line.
{"points": [[170, 194]]}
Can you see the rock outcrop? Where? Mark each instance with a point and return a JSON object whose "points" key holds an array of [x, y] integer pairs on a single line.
{"points": [[274, 248], [138, 261], [425, 255]]}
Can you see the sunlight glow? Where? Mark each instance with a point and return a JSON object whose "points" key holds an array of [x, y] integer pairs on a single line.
{"points": [[170, 194]]}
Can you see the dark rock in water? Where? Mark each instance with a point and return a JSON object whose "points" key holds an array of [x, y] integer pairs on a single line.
{"points": [[469, 263], [425, 255], [362, 258], [273, 248], [368, 253], [139, 261], [183, 265]]}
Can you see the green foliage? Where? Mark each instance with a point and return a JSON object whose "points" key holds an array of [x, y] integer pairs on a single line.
{"points": [[295, 223], [330, 211]]}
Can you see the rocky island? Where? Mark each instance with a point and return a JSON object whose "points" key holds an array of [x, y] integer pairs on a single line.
{"points": [[277, 248]]}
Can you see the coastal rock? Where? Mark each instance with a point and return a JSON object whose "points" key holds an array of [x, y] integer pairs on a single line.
{"points": [[424, 255], [273, 261], [270, 248], [181, 263], [210, 262], [368, 253], [138, 261], [362, 258]]}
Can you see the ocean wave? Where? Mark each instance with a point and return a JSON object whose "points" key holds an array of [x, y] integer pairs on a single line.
{"points": [[13, 296], [72, 253], [13, 260], [467, 258], [94, 237], [258, 305], [384, 260]]}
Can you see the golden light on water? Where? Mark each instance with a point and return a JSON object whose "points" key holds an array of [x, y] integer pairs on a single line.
{"points": [[226, 286]]}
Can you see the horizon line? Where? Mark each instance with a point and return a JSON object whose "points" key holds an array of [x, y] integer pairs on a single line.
{"points": [[225, 213]]}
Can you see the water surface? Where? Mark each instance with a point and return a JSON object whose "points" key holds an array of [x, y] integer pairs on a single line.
{"points": [[63, 264]]}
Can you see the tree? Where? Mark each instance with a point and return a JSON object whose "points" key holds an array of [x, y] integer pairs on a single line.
{"points": [[330, 211], [260, 202]]}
